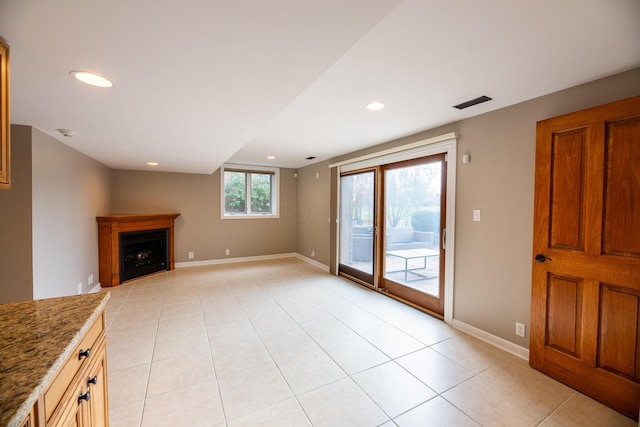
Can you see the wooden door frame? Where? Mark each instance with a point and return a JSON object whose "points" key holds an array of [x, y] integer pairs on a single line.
{"points": [[446, 144], [403, 291]]}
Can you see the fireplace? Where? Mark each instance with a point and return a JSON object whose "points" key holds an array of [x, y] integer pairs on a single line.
{"points": [[143, 252], [111, 227]]}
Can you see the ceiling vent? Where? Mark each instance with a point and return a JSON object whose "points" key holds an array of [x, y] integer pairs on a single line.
{"points": [[471, 102], [311, 157]]}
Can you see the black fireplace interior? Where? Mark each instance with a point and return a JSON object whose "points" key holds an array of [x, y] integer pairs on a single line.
{"points": [[143, 252]]}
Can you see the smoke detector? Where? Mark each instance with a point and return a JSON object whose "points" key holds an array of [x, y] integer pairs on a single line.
{"points": [[67, 132]]}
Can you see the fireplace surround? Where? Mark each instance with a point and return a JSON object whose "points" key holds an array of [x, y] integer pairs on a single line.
{"points": [[141, 230]]}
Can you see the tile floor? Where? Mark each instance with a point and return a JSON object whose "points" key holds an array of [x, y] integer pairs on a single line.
{"points": [[282, 343]]}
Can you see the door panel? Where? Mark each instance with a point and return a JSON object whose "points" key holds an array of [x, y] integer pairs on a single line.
{"points": [[586, 288], [414, 221], [567, 198], [357, 225], [622, 174], [564, 314], [619, 315]]}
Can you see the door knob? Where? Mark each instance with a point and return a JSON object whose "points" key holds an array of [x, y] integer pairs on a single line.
{"points": [[542, 258]]}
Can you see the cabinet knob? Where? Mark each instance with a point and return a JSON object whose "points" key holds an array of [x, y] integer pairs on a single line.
{"points": [[86, 396], [85, 353], [93, 380]]}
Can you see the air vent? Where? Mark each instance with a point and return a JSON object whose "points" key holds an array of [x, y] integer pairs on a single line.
{"points": [[311, 157], [472, 102]]}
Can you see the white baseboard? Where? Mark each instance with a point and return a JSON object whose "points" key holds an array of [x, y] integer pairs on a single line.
{"points": [[96, 288], [313, 262], [233, 260], [495, 341], [252, 258]]}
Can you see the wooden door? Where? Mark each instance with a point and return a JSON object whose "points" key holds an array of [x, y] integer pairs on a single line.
{"points": [[585, 323]]}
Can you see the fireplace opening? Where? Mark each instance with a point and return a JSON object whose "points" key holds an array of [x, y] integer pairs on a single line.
{"points": [[143, 252]]}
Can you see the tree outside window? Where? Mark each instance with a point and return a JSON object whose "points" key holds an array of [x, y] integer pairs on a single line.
{"points": [[261, 193], [249, 192], [235, 192]]}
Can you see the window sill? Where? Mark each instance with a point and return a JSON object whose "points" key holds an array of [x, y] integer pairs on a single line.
{"points": [[257, 216]]}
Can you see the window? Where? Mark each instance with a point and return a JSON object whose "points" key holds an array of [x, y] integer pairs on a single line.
{"points": [[249, 192]]}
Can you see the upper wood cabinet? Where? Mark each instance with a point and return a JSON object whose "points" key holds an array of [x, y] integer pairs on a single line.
{"points": [[5, 152]]}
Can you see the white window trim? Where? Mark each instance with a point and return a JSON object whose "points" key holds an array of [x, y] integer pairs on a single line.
{"points": [[275, 192]]}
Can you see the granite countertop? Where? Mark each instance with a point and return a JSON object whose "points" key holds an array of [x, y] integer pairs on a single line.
{"points": [[36, 337]]}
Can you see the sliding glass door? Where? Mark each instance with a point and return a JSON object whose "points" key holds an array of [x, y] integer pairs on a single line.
{"points": [[407, 259], [414, 226], [357, 225]]}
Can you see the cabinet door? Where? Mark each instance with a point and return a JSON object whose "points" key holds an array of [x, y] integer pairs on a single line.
{"points": [[76, 410], [77, 417], [97, 385], [28, 420]]}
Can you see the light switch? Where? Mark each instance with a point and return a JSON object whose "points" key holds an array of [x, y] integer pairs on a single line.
{"points": [[476, 215]]}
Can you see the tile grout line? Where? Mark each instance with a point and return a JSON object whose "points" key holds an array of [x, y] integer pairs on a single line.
{"points": [[213, 363]]}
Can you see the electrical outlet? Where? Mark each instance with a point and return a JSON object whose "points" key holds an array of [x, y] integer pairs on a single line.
{"points": [[313, 253], [520, 329], [79, 288], [190, 255], [90, 280], [227, 252]]}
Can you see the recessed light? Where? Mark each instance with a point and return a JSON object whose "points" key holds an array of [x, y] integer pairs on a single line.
{"points": [[271, 157], [152, 163], [92, 79], [374, 106]]}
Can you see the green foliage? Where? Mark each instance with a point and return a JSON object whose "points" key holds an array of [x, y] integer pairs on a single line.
{"points": [[426, 220], [235, 190], [261, 193]]}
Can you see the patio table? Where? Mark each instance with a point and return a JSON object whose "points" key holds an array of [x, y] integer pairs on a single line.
{"points": [[409, 254]]}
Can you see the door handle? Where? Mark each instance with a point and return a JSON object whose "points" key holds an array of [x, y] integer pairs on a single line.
{"points": [[444, 239], [542, 258]]}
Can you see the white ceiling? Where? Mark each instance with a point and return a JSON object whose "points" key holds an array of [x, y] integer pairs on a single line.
{"points": [[205, 82]]}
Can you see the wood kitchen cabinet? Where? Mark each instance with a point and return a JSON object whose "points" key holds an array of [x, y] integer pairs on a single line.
{"points": [[5, 152], [29, 419], [53, 354], [78, 394]]}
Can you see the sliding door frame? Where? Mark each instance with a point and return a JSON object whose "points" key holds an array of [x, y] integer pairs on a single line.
{"points": [[446, 144], [351, 272]]}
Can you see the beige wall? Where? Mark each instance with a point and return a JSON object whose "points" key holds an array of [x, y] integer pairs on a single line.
{"points": [[493, 257], [16, 280], [69, 191], [199, 228], [313, 225]]}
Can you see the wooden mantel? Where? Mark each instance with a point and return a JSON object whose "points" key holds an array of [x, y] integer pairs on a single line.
{"points": [[109, 229]]}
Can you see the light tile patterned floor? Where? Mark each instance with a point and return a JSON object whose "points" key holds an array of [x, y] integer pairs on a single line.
{"points": [[282, 343]]}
